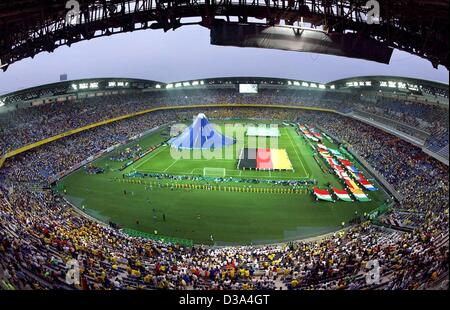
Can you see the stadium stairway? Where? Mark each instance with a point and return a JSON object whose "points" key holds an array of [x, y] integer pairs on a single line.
{"points": [[444, 152], [441, 283]]}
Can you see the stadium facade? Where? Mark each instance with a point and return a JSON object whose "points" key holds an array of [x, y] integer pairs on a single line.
{"points": [[395, 87]]}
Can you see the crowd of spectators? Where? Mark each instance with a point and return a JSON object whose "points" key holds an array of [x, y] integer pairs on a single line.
{"points": [[40, 233], [403, 165], [36, 123], [425, 116], [430, 118], [49, 160]]}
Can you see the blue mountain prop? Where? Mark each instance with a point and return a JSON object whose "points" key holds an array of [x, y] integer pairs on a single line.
{"points": [[201, 135]]}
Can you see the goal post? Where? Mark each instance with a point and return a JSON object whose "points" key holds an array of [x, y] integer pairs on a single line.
{"points": [[214, 172]]}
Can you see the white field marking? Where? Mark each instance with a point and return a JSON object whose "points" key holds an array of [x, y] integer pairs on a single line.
{"points": [[301, 161], [170, 166], [149, 157], [295, 150], [240, 158]]}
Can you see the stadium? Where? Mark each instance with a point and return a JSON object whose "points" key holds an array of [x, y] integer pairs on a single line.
{"points": [[225, 183]]}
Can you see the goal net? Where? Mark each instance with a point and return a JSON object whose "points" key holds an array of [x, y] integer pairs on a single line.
{"points": [[214, 172]]}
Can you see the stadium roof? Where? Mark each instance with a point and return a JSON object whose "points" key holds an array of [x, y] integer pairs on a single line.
{"points": [[420, 27], [387, 83], [390, 78]]}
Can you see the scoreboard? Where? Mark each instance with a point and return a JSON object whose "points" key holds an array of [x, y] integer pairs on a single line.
{"points": [[248, 88]]}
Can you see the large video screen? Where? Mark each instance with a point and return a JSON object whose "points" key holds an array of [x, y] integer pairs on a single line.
{"points": [[248, 88]]}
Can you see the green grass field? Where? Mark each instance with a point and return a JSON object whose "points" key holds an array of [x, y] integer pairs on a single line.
{"points": [[197, 214], [161, 161]]}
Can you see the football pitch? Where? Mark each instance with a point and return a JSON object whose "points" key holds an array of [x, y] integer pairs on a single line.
{"points": [[166, 195], [195, 162]]}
